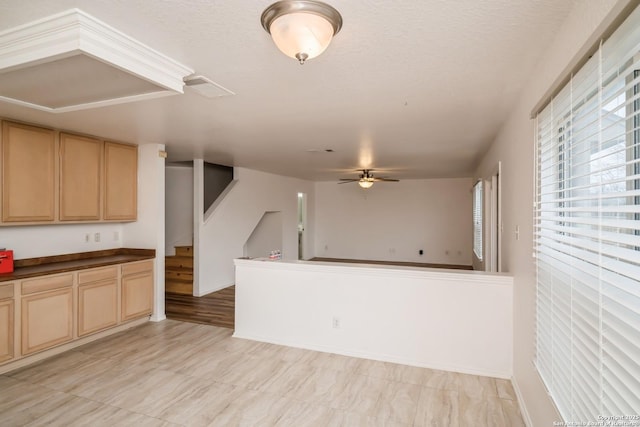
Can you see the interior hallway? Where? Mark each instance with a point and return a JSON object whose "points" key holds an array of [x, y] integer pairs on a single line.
{"points": [[216, 308]]}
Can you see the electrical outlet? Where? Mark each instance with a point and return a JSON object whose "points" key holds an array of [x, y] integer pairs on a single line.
{"points": [[87, 237], [336, 323], [96, 237]]}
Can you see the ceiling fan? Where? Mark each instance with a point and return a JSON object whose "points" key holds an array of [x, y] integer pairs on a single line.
{"points": [[366, 179]]}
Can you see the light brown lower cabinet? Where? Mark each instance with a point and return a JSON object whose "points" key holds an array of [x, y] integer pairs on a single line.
{"points": [[42, 312], [137, 290], [6, 330], [47, 319], [97, 306]]}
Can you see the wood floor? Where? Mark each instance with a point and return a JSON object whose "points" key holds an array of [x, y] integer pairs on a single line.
{"points": [[176, 373], [399, 263], [216, 308]]}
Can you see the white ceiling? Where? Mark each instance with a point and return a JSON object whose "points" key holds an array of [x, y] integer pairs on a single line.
{"points": [[417, 89]]}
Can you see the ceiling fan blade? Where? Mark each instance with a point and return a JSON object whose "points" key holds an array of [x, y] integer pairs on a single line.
{"points": [[386, 179], [347, 181]]}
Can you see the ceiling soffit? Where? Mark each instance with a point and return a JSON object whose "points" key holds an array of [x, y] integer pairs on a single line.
{"points": [[51, 54]]}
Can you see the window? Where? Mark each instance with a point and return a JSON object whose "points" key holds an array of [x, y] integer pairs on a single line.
{"points": [[477, 219], [587, 240]]}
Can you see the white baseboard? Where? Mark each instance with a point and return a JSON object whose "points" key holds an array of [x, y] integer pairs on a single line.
{"points": [[523, 408], [158, 318], [203, 292], [378, 356]]}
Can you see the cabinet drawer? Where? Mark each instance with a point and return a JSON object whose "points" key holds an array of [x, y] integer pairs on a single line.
{"points": [[137, 267], [94, 275], [6, 291], [46, 284]]}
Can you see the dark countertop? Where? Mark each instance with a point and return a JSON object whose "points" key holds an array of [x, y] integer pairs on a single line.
{"points": [[34, 267]]}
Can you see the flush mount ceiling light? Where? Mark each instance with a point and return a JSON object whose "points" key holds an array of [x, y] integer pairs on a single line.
{"points": [[301, 29]]}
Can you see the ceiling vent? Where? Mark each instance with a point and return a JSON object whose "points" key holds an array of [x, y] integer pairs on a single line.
{"points": [[72, 61], [206, 87]]}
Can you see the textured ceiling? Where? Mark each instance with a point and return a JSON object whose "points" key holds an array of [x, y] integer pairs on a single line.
{"points": [[415, 88]]}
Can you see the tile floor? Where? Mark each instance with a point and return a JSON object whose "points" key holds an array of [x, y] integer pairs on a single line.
{"points": [[176, 373]]}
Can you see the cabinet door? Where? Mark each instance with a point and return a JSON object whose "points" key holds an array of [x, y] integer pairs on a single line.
{"points": [[47, 320], [28, 173], [6, 330], [80, 164], [121, 179], [137, 295], [97, 307]]}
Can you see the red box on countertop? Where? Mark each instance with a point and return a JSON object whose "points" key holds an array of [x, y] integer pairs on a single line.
{"points": [[6, 261]]}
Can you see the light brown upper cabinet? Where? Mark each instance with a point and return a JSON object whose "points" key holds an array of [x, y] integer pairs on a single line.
{"points": [[28, 173], [120, 176], [80, 164]]}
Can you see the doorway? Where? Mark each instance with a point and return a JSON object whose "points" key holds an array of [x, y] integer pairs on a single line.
{"points": [[302, 223], [495, 222]]}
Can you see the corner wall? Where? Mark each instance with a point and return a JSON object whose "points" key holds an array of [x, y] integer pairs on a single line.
{"points": [[220, 238], [266, 237], [393, 221], [148, 231], [514, 146]]}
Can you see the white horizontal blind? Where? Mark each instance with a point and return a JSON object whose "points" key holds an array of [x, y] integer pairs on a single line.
{"points": [[587, 239], [477, 219]]}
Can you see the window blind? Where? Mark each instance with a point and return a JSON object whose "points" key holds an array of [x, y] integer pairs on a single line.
{"points": [[587, 234], [477, 219]]}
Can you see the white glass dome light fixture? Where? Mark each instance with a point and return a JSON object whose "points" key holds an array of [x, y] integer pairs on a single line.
{"points": [[301, 29], [366, 182]]}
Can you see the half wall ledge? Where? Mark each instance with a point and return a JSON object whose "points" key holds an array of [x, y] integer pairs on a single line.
{"points": [[453, 320]]}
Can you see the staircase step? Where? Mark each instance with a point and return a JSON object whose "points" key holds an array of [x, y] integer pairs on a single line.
{"points": [[178, 274], [178, 261], [184, 251], [178, 287]]}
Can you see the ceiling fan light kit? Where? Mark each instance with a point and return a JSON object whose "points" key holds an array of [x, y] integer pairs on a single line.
{"points": [[301, 29], [365, 183], [366, 179]]}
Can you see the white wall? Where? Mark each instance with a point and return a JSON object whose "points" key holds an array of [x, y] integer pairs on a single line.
{"points": [[393, 221], [148, 231], [222, 236], [514, 146], [178, 207], [47, 240], [457, 321], [266, 237]]}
